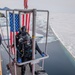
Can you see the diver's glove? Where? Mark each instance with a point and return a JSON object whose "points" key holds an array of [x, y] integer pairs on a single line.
{"points": [[19, 60], [43, 54]]}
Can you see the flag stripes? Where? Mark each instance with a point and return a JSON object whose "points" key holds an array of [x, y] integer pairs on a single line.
{"points": [[25, 21]]}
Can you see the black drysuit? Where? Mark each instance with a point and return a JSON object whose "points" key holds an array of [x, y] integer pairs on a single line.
{"points": [[24, 50]]}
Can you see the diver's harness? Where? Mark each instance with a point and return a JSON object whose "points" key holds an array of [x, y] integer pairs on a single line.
{"points": [[23, 51], [24, 48]]}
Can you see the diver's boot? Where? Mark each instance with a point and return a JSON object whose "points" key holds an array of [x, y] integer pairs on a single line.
{"points": [[30, 67], [23, 70]]}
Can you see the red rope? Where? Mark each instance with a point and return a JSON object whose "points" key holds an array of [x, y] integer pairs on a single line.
{"points": [[25, 4]]}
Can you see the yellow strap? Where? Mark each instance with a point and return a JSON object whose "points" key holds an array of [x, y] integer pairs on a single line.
{"points": [[33, 36]]}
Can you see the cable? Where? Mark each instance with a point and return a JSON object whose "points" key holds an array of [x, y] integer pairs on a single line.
{"points": [[7, 51]]}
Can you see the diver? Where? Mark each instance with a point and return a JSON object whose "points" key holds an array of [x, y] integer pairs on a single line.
{"points": [[24, 48]]}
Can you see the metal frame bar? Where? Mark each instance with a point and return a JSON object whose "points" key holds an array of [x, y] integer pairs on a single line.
{"points": [[46, 36], [33, 40], [47, 31], [33, 61], [42, 11], [25, 10], [3, 25], [7, 33], [15, 56]]}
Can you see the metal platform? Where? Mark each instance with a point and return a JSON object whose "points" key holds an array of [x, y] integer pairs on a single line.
{"points": [[27, 72]]}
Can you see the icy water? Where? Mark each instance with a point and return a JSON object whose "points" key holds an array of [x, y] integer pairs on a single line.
{"points": [[60, 62]]}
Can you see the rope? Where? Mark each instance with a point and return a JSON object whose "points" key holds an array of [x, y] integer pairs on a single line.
{"points": [[25, 4]]}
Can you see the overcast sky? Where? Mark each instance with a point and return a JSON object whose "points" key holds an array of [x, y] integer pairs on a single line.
{"points": [[52, 5]]}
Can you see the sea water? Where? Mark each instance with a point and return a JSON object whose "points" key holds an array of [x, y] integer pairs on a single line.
{"points": [[60, 62]]}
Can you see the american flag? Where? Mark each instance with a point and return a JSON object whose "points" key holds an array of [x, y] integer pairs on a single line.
{"points": [[15, 20]]}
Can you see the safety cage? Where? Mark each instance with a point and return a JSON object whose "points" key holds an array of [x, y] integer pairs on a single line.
{"points": [[13, 21]]}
